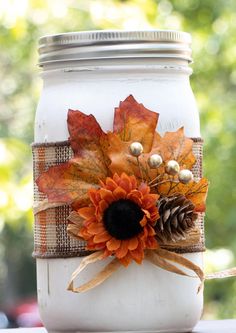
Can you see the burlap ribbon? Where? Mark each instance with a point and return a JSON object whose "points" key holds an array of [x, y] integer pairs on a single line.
{"points": [[51, 219], [162, 258]]}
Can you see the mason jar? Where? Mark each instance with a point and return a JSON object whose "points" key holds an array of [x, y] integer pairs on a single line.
{"points": [[93, 71]]}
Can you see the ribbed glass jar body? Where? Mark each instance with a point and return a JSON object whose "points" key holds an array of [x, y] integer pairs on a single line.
{"points": [[141, 297]]}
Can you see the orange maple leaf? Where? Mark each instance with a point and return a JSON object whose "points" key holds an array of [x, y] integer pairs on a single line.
{"points": [[71, 181], [194, 191], [84, 130], [134, 122], [176, 146]]}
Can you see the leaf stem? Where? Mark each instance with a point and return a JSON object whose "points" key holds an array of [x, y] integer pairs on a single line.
{"points": [[165, 181], [154, 179], [140, 169]]}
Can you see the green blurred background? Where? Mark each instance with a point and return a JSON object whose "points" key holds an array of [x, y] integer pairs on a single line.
{"points": [[212, 24]]}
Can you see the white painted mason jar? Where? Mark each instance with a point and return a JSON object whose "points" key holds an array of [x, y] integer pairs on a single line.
{"points": [[93, 71]]}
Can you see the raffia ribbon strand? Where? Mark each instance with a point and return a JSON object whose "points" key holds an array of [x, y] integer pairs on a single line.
{"points": [[40, 206], [103, 275], [156, 260], [222, 274], [176, 258]]}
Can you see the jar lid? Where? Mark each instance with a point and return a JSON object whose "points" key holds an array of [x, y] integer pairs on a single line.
{"points": [[109, 44]]}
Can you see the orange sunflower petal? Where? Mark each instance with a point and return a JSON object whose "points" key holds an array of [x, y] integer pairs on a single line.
{"points": [[94, 196], [89, 221], [144, 188], [110, 184], [90, 247], [138, 254], [143, 222], [154, 214], [113, 244], [100, 246], [119, 193], [144, 234], [133, 182], [126, 260], [83, 232], [116, 178], [96, 228], [103, 237], [102, 205], [151, 243], [133, 243], [149, 201], [135, 196], [123, 249], [106, 253], [146, 213], [126, 182], [151, 231], [86, 212], [107, 195]]}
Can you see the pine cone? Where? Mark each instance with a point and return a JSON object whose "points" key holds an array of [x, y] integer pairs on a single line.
{"points": [[177, 216]]}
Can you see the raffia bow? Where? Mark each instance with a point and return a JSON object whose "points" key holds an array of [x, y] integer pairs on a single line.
{"points": [[161, 258]]}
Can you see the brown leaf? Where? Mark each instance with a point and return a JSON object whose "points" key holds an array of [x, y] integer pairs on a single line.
{"points": [[85, 132], [71, 181], [87, 140], [122, 161], [64, 183], [134, 122], [118, 153], [197, 193], [194, 191], [175, 146]]}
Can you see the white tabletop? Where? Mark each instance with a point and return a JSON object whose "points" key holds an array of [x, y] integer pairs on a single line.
{"points": [[204, 326]]}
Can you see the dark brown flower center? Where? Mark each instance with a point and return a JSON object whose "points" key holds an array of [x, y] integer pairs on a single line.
{"points": [[121, 219]]}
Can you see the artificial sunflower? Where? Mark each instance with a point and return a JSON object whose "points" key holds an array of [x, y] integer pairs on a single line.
{"points": [[120, 219]]}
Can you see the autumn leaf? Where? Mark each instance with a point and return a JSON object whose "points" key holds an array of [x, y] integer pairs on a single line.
{"points": [[84, 130], [197, 193], [61, 183], [121, 159], [71, 181], [194, 191], [176, 146], [119, 155], [134, 122]]}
